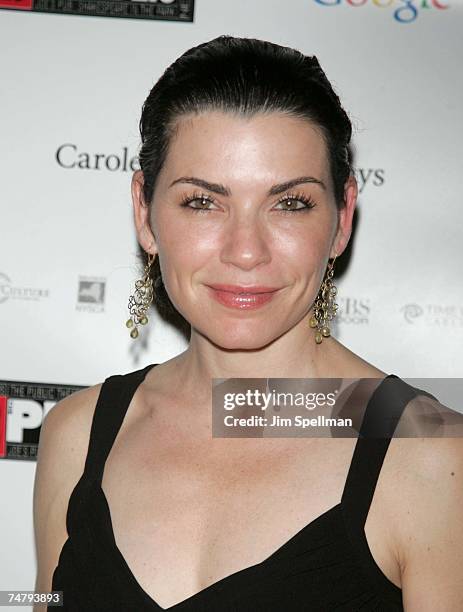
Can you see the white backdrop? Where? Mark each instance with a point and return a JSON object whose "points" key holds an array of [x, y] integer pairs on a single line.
{"points": [[67, 232]]}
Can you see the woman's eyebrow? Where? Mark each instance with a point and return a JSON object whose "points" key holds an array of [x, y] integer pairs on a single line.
{"points": [[221, 190]]}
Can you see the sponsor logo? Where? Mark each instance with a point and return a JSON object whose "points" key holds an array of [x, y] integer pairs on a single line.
{"points": [[369, 176], [9, 291], [23, 406], [353, 311], [25, 5], [412, 312], [168, 10], [435, 315], [91, 294], [68, 156], [403, 11]]}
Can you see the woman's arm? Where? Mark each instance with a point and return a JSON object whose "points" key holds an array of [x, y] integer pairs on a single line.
{"points": [[63, 445], [431, 524]]}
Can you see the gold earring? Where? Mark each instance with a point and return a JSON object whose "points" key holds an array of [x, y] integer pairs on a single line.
{"points": [[141, 299], [325, 307]]}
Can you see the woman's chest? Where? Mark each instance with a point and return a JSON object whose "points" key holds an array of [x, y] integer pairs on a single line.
{"points": [[185, 516]]}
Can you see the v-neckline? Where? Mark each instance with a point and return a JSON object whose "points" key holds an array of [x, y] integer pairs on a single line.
{"points": [[273, 557], [260, 565]]}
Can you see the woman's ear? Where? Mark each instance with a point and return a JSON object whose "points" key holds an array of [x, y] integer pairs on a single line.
{"points": [[142, 214], [345, 216]]}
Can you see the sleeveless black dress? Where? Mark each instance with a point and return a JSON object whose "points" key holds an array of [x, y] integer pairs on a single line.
{"points": [[326, 566]]}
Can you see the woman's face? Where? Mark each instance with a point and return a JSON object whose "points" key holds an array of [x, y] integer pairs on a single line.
{"points": [[240, 175]]}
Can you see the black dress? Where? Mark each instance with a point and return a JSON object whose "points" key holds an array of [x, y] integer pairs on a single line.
{"points": [[326, 566]]}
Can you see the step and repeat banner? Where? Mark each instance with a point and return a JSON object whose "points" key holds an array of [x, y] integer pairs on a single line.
{"points": [[74, 76]]}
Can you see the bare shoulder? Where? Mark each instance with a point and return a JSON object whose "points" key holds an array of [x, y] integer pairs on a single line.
{"points": [[427, 417], [62, 451], [428, 521]]}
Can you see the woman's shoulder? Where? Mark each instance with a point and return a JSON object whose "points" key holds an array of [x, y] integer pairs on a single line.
{"points": [[71, 416], [424, 476], [62, 450], [63, 444], [426, 417], [427, 517]]}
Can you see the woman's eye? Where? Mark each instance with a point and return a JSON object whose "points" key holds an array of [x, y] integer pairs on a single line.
{"points": [[203, 204], [303, 203]]}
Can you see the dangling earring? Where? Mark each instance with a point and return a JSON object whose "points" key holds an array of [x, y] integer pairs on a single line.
{"points": [[325, 307], [141, 299]]}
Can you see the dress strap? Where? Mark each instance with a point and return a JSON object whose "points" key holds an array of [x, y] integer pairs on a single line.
{"points": [[113, 401], [382, 414], [380, 420]]}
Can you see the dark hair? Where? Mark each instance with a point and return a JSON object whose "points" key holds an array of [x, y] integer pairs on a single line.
{"points": [[245, 76]]}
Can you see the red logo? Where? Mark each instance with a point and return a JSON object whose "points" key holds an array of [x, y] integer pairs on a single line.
{"points": [[25, 5]]}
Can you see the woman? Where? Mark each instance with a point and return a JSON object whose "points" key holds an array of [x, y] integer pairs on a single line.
{"points": [[244, 199]]}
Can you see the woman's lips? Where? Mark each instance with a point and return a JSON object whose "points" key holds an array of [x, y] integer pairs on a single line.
{"points": [[243, 298]]}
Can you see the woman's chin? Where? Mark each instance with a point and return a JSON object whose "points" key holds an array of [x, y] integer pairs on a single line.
{"points": [[246, 341]]}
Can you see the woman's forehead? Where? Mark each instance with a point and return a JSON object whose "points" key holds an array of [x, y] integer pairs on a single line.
{"points": [[269, 125], [264, 143]]}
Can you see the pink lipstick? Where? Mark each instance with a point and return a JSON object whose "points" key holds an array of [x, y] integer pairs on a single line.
{"points": [[243, 298]]}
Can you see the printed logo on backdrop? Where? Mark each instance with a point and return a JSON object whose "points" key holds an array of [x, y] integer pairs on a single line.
{"points": [[10, 291], [353, 311], [403, 11], [369, 176], [23, 406], [433, 315], [70, 157], [91, 294], [167, 10]]}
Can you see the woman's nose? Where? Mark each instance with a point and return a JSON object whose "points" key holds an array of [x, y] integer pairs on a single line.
{"points": [[246, 242]]}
